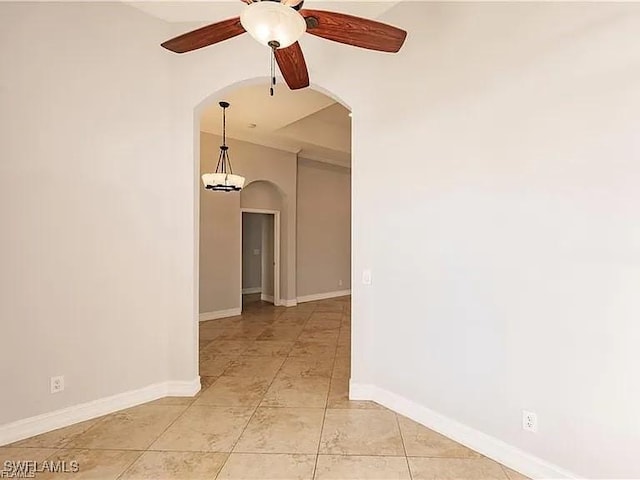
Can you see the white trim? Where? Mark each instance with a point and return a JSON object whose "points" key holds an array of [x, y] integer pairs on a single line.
{"points": [[231, 312], [360, 391], [266, 298], [276, 250], [288, 303], [323, 296], [178, 388], [502, 452], [251, 290], [28, 427]]}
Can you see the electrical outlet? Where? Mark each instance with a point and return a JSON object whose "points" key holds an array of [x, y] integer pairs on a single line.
{"points": [[339, 283], [366, 277], [529, 421], [57, 384]]}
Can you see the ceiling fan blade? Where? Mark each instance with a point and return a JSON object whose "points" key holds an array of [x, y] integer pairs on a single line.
{"points": [[356, 31], [293, 66], [205, 36]]}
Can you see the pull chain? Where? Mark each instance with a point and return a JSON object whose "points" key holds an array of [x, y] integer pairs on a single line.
{"points": [[273, 70]]}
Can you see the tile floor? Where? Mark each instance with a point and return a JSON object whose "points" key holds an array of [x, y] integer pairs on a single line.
{"points": [[273, 405]]}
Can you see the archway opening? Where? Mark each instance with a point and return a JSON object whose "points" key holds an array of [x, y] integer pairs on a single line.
{"points": [[294, 150], [262, 207]]}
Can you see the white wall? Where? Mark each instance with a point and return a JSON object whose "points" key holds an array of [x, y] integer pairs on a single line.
{"points": [[324, 228], [88, 282], [514, 131], [508, 256]]}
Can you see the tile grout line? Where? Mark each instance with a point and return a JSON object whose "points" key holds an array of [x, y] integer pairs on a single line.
{"points": [[231, 451], [154, 440], [345, 454], [258, 405], [126, 469], [326, 405], [217, 378], [404, 447], [504, 471]]}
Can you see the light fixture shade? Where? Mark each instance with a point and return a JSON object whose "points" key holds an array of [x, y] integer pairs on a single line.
{"points": [[268, 21], [224, 182]]}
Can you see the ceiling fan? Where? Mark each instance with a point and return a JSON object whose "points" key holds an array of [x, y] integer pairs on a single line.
{"points": [[279, 24]]}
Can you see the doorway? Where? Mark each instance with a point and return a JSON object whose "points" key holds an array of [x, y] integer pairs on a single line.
{"points": [[260, 263]]}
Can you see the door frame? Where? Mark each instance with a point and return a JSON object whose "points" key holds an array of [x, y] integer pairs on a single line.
{"points": [[276, 251]]}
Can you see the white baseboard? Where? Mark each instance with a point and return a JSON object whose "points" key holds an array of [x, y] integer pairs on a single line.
{"points": [[178, 388], [361, 391], [232, 312], [323, 296], [251, 290], [28, 427], [510, 456], [288, 303], [266, 298]]}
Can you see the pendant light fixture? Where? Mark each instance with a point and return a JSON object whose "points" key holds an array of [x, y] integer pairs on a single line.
{"points": [[223, 180]]}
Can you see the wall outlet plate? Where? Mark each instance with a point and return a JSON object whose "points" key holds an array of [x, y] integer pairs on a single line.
{"points": [[529, 421], [57, 384], [366, 277]]}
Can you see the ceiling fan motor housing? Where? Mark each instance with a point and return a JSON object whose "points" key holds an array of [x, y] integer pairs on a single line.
{"points": [[271, 22]]}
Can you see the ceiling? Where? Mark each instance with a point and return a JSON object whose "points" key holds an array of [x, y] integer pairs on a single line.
{"points": [[304, 121], [216, 10]]}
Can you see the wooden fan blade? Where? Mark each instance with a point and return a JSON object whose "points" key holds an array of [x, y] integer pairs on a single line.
{"points": [[356, 31], [293, 66], [205, 36]]}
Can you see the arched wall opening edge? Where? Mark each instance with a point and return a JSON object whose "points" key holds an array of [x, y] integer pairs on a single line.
{"points": [[197, 112]]}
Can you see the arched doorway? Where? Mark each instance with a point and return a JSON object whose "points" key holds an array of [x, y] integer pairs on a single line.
{"points": [[273, 168], [262, 207], [307, 129]]}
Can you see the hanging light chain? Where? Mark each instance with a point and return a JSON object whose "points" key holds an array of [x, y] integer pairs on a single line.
{"points": [[224, 125], [223, 180], [273, 70], [274, 45], [224, 163]]}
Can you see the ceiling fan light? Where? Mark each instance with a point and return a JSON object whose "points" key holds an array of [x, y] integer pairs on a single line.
{"points": [[268, 21]]}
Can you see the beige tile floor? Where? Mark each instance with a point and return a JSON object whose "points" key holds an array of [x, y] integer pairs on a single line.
{"points": [[274, 405]]}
